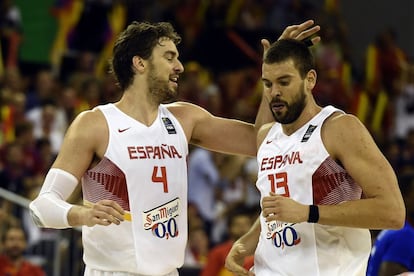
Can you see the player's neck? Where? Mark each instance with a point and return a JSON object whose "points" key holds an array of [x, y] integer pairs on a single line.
{"points": [[138, 107], [310, 111]]}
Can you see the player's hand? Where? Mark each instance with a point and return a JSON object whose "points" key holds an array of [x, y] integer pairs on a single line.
{"points": [[235, 259], [104, 212], [277, 207], [299, 32]]}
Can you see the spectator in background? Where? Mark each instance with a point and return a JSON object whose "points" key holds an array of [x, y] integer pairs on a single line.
{"points": [[250, 170], [239, 222], [6, 219], [230, 195], [43, 88], [12, 101], [197, 248], [406, 164], [10, 34], [203, 179], [385, 61], [12, 260], [404, 103], [14, 174], [49, 122], [393, 252]]}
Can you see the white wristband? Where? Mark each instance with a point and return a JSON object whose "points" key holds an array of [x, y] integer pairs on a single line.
{"points": [[50, 208]]}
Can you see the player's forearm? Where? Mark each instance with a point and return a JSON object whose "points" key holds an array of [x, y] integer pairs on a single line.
{"points": [[50, 208], [251, 238], [75, 215], [370, 213]]}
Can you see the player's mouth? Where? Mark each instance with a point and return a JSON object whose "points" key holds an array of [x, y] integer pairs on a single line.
{"points": [[174, 81], [277, 106]]}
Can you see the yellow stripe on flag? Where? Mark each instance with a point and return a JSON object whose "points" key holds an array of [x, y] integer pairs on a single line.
{"points": [[371, 66], [379, 111], [363, 106]]}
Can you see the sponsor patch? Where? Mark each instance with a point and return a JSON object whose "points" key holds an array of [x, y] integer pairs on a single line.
{"points": [[162, 220], [169, 125], [308, 133]]}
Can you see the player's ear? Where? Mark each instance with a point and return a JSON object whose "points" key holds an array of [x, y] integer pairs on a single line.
{"points": [[311, 79], [138, 63]]}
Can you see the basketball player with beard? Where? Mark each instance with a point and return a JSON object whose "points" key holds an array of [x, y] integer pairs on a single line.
{"points": [[323, 181]]}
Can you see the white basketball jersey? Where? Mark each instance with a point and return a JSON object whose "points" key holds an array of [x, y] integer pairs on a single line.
{"points": [[298, 166], [144, 169]]}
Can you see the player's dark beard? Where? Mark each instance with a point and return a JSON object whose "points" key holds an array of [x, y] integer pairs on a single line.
{"points": [[159, 90], [293, 110]]}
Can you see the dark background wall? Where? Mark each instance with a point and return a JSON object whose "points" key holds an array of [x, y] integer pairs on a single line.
{"points": [[366, 18]]}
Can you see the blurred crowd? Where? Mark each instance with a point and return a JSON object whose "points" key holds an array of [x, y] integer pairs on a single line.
{"points": [[221, 53]]}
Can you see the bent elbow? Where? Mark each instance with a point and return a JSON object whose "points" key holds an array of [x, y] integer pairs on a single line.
{"points": [[397, 218], [35, 214], [49, 211]]}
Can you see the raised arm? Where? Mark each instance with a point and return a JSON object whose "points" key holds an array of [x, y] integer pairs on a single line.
{"points": [[305, 30]]}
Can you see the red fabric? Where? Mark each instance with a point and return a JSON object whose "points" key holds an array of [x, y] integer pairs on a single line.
{"points": [[8, 269], [216, 259]]}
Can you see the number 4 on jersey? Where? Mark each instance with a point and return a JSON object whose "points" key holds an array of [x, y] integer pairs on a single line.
{"points": [[160, 177]]}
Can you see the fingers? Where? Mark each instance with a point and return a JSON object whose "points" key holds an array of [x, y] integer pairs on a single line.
{"points": [[235, 260], [307, 33], [316, 40], [107, 212], [271, 206], [302, 31], [265, 44]]}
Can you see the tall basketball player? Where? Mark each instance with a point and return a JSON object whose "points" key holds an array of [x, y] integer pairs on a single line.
{"points": [[323, 181]]}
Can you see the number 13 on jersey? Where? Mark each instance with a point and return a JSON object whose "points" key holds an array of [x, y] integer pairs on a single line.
{"points": [[279, 183]]}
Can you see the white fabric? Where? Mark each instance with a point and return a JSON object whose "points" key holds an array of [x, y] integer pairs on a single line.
{"points": [[95, 272], [144, 170], [299, 166], [50, 209]]}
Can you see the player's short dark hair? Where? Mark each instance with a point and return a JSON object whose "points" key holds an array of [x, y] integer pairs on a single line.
{"points": [[285, 49]]}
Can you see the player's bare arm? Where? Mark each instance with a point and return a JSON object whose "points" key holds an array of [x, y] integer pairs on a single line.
{"points": [[85, 138], [214, 133], [242, 248], [349, 143], [302, 31]]}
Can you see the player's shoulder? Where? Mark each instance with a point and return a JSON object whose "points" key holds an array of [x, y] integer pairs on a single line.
{"points": [[341, 131], [342, 122], [89, 121], [181, 105], [187, 110]]}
